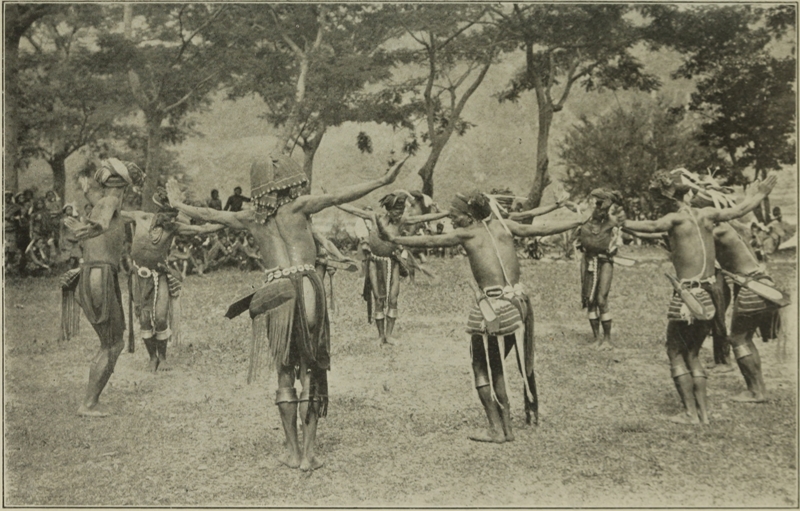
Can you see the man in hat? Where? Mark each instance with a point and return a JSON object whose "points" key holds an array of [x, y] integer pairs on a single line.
{"points": [[98, 292], [691, 311], [386, 261], [599, 239], [157, 286], [502, 316], [289, 313]]}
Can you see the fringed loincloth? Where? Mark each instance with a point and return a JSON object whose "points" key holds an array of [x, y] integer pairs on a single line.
{"points": [[678, 311], [104, 312], [281, 323], [70, 315]]}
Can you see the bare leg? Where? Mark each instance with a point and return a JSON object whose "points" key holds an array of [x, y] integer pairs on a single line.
{"points": [[677, 351], [391, 306], [308, 414], [605, 273], [287, 407], [749, 361], [496, 434], [379, 297], [99, 372], [699, 378]]}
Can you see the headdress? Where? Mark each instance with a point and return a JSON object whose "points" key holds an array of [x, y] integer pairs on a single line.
{"points": [[395, 200], [114, 173], [476, 205], [270, 175], [668, 185], [708, 192], [606, 196], [161, 199]]}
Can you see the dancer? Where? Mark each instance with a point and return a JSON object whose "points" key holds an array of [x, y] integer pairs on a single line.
{"points": [[502, 316], [289, 312]]}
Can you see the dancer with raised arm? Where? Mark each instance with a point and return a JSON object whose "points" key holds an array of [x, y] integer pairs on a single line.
{"points": [[98, 291], [691, 241], [289, 312], [502, 316]]}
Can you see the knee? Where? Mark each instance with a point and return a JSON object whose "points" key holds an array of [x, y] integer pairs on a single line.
{"points": [[161, 324], [602, 303]]}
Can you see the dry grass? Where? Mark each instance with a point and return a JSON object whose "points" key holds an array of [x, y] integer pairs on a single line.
{"points": [[399, 418]]}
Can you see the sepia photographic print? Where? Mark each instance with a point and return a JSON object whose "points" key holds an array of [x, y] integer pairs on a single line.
{"points": [[415, 255]]}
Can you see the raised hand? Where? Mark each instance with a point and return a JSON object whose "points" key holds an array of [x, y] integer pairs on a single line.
{"points": [[392, 173], [174, 193], [768, 184]]}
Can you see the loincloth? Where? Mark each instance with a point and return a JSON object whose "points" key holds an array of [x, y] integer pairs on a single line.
{"points": [[678, 311], [281, 324], [104, 312], [752, 312], [148, 283], [590, 288]]}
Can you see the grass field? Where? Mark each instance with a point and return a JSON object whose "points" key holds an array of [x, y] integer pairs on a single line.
{"points": [[399, 417]]}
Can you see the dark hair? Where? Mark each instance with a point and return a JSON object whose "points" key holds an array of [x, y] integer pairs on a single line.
{"points": [[214, 191], [237, 188]]}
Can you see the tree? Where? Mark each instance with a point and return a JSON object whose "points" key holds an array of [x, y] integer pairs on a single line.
{"points": [[63, 105], [454, 47], [18, 19], [175, 55], [745, 87], [311, 65], [622, 149], [568, 45]]}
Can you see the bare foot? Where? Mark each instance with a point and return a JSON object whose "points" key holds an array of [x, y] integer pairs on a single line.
{"points": [[493, 438], [509, 436], [94, 411], [388, 341], [684, 418], [291, 461], [721, 368], [153, 365], [749, 397], [313, 464], [605, 346]]}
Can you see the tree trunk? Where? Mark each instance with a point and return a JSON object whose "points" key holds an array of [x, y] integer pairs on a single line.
{"points": [[541, 178], [58, 164], [152, 163], [11, 117], [765, 203], [309, 151], [426, 171]]}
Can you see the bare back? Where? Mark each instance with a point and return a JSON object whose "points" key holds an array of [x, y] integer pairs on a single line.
{"points": [[285, 239], [485, 260], [733, 253], [108, 246]]}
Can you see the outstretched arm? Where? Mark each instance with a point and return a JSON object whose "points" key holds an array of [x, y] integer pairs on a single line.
{"points": [[755, 194], [662, 224], [329, 246], [310, 204], [226, 218], [531, 213], [198, 229], [418, 219], [366, 215], [544, 227], [646, 236]]}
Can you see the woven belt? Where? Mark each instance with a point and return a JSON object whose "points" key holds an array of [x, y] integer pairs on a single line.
{"points": [[285, 272], [507, 292], [692, 283]]}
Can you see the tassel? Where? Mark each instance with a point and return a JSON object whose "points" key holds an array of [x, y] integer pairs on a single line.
{"points": [[175, 318]]}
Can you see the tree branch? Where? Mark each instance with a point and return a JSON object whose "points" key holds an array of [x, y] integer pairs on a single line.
{"points": [[186, 97]]}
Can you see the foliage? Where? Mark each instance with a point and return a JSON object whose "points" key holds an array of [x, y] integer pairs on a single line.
{"points": [[745, 86], [570, 45], [622, 149], [63, 104]]}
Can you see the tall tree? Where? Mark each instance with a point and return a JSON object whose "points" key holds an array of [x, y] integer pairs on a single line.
{"points": [[311, 67], [17, 20], [64, 105], [745, 80], [567, 45], [175, 55], [625, 147], [451, 48]]}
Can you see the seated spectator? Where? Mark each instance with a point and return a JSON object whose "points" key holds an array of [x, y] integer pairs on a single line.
{"points": [[776, 232]]}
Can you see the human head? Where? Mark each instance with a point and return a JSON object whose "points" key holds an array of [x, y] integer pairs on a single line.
{"points": [[87, 209], [394, 203], [776, 212], [27, 195], [467, 208], [50, 195], [9, 197], [237, 190], [114, 173], [215, 194], [604, 199], [667, 186], [275, 180], [68, 210]]}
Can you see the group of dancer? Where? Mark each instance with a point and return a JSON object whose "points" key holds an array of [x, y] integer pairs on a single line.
{"points": [[289, 311]]}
